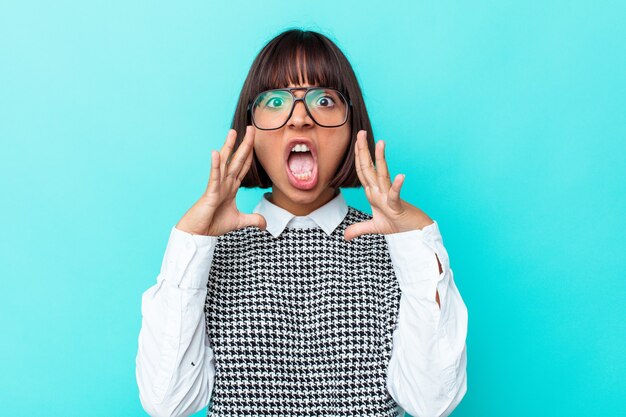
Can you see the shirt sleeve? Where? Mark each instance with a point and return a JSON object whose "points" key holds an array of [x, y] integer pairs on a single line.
{"points": [[175, 366], [427, 370]]}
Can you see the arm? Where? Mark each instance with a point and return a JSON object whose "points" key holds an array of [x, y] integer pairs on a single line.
{"points": [[175, 366], [427, 370], [440, 271]]}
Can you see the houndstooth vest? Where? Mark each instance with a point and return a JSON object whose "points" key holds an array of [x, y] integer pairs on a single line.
{"points": [[302, 324]]}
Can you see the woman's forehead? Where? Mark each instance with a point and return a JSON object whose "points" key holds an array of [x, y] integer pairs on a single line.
{"points": [[302, 81], [290, 79], [292, 85], [299, 78]]}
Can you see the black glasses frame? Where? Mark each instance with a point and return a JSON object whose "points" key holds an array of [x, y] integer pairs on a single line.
{"points": [[293, 105]]}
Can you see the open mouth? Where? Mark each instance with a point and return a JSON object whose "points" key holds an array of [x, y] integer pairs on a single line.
{"points": [[301, 163]]}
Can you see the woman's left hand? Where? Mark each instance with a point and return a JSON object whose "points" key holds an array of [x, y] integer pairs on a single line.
{"points": [[390, 214]]}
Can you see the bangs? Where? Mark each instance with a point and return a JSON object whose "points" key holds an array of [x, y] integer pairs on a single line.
{"points": [[299, 58]]}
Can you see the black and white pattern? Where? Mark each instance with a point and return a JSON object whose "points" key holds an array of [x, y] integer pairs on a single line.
{"points": [[302, 324]]}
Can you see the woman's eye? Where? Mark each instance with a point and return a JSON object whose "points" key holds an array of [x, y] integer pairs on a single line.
{"points": [[325, 101], [274, 102]]}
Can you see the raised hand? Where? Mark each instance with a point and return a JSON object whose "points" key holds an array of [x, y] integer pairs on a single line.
{"points": [[216, 213], [390, 214]]}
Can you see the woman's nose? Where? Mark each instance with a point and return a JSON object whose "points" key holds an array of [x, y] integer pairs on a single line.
{"points": [[300, 117]]}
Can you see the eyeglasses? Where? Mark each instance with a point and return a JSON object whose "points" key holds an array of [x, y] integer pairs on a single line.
{"points": [[271, 109]]}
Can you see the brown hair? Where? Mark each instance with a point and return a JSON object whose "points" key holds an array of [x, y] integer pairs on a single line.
{"points": [[277, 65]]}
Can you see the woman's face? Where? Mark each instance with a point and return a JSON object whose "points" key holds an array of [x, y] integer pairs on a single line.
{"points": [[327, 146]]}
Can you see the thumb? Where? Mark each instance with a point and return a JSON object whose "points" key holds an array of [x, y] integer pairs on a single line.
{"points": [[358, 229], [254, 219]]}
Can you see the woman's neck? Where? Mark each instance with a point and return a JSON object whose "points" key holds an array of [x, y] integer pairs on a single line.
{"points": [[301, 207]]}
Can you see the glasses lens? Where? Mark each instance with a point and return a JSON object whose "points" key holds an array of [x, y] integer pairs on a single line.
{"points": [[272, 108], [327, 106]]}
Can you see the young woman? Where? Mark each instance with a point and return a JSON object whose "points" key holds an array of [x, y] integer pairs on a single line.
{"points": [[307, 306]]}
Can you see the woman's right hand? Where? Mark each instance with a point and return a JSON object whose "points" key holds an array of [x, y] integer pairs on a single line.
{"points": [[216, 213]]}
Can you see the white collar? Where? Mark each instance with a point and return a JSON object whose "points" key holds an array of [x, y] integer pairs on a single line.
{"points": [[327, 217]]}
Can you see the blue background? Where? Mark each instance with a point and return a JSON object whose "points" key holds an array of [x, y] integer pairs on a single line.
{"points": [[506, 117]]}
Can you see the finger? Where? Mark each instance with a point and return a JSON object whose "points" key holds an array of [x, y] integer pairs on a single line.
{"points": [[214, 177], [254, 219], [357, 165], [226, 150], [365, 160], [246, 165], [384, 181], [358, 229], [234, 165], [393, 197]]}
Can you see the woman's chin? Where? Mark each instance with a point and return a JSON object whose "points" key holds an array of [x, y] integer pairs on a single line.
{"points": [[297, 195]]}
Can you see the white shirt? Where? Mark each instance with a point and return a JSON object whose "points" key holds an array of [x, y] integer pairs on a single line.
{"points": [[427, 370]]}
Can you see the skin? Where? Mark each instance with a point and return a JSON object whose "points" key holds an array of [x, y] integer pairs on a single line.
{"points": [[215, 212]]}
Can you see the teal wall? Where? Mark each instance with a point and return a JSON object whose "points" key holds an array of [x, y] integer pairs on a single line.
{"points": [[506, 117]]}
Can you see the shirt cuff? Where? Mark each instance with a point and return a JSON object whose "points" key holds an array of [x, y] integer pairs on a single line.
{"points": [[413, 256], [187, 259]]}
